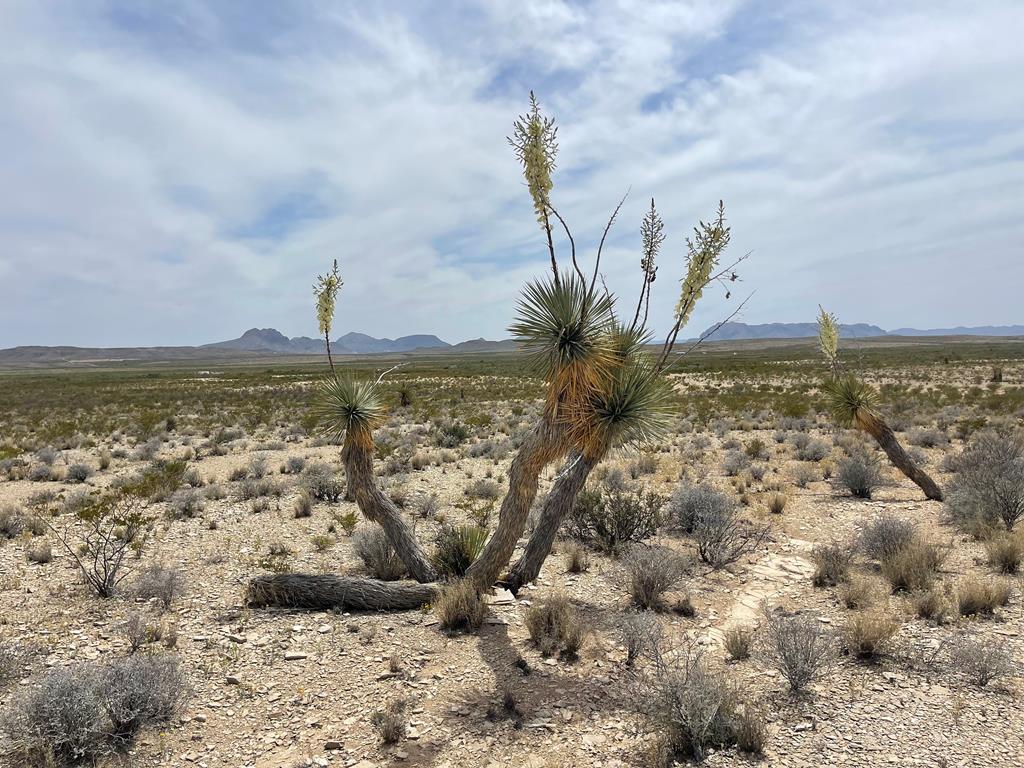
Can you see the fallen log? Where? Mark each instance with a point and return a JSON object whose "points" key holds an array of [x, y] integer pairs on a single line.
{"points": [[322, 592]]}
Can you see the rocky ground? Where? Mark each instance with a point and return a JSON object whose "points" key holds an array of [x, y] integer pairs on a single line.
{"points": [[276, 688]]}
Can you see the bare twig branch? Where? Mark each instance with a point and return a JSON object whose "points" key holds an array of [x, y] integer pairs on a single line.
{"points": [[707, 334], [393, 368], [572, 243], [600, 247]]}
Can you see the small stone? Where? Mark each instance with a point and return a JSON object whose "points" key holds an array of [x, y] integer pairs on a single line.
{"points": [[295, 655], [332, 745]]}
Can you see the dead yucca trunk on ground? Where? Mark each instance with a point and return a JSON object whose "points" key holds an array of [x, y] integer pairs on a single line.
{"points": [[323, 592], [853, 403]]}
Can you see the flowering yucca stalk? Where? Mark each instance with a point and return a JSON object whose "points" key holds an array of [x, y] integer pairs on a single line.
{"points": [[828, 337], [652, 235], [534, 139], [326, 292]]}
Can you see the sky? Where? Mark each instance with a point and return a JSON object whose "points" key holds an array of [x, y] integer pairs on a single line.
{"points": [[177, 172]]}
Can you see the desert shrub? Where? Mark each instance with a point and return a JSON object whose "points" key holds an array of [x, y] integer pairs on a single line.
{"points": [[801, 648], [831, 563], [886, 535], [214, 492], [40, 553], [976, 596], [646, 464], [12, 521], [78, 473], [777, 502], [303, 506], [723, 537], [79, 714], [859, 591], [913, 567], [323, 484], [321, 542], [294, 465], [860, 473], [756, 449], [690, 503], [1005, 552], [390, 722], [372, 546], [140, 690], [757, 472], [813, 450], [426, 505], [457, 547], [41, 473], [159, 582], [555, 626], [930, 605], [927, 438], [614, 519], [751, 731], [735, 462], [738, 642], [652, 571], [614, 480], [185, 503], [989, 484], [694, 707], [148, 450], [577, 559], [348, 521], [804, 474], [47, 455], [460, 607], [251, 488], [483, 489], [981, 661], [641, 633], [450, 434], [869, 634]]}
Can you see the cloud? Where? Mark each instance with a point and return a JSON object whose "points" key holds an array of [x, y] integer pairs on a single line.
{"points": [[178, 176]]}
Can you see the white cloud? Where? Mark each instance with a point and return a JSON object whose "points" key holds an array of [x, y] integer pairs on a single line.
{"points": [[178, 178]]}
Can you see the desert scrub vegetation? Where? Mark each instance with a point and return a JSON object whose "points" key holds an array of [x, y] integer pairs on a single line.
{"points": [[800, 647], [555, 627], [610, 520], [988, 487], [460, 607], [84, 712], [650, 572]]}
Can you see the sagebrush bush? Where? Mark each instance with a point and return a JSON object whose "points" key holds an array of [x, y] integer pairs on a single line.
{"points": [[690, 503], [456, 547], [735, 462], [813, 450], [884, 536], [861, 474], [185, 503], [372, 546], [981, 661], [140, 690], [78, 473], [652, 571], [323, 484], [801, 648], [641, 633], [989, 483], [161, 583], [831, 563], [555, 626], [460, 607], [869, 634]]}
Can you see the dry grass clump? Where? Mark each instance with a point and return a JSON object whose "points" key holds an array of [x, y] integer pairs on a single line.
{"points": [[390, 722], [931, 605], [555, 626], [867, 635], [303, 506], [860, 591], [913, 567], [161, 583], [799, 645], [652, 571], [641, 633], [777, 502], [1005, 552], [372, 546], [738, 643], [460, 607], [577, 559], [975, 596], [886, 535], [831, 563]]}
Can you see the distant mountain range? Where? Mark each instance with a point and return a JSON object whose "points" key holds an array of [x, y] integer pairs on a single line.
{"points": [[272, 340], [737, 331]]}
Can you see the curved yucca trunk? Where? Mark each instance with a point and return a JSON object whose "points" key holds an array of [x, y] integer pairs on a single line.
{"points": [[544, 444], [886, 439], [557, 505], [322, 592], [357, 454]]}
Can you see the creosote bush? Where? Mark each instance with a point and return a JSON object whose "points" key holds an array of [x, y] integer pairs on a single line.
{"points": [[613, 519], [860, 473], [988, 487], [555, 626]]}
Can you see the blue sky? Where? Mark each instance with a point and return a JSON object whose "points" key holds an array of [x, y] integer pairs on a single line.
{"points": [[175, 173]]}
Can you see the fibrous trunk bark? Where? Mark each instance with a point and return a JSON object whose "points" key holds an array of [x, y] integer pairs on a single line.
{"points": [[557, 505], [886, 439], [377, 507], [544, 444], [321, 592]]}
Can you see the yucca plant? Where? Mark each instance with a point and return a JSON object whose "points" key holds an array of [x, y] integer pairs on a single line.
{"points": [[853, 403]]}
